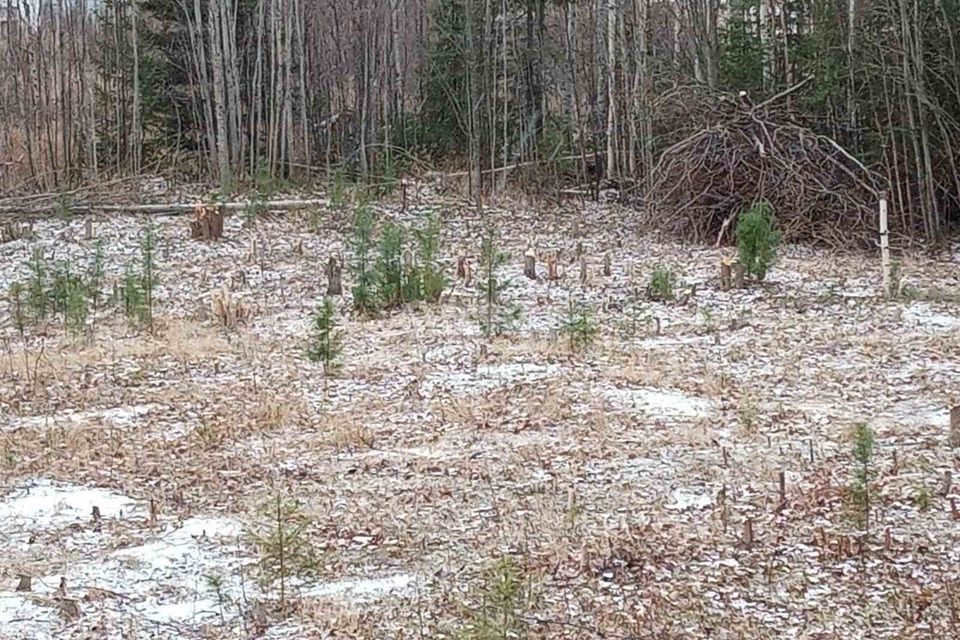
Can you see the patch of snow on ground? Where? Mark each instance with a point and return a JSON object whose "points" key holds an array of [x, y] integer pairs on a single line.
{"points": [[684, 499], [658, 402], [363, 589], [119, 416], [45, 504], [162, 580], [923, 315], [486, 377]]}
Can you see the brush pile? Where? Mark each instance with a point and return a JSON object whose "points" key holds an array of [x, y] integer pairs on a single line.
{"points": [[744, 153]]}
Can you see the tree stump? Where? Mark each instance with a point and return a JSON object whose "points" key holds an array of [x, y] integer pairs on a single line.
{"points": [[530, 264], [25, 583], [583, 270], [739, 276], [606, 265], [552, 268], [955, 427], [207, 223], [334, 271], [463, 271], [726, 275], [88, 229]]}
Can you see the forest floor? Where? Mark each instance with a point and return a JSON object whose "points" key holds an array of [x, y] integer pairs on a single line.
{"points": [[634, 488]]}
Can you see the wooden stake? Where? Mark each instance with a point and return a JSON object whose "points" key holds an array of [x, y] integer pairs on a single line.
{"points": [[885, 247], [530, 264], [583, 270], [606, 265], [783, 489], [955, 427], [334, 270], [748, 533], [947, 483]]}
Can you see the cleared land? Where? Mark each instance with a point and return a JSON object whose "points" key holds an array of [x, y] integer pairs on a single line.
{"points": [[620, 480]]}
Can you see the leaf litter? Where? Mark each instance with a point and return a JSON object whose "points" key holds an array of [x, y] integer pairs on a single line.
{"points": [[622, 480]]}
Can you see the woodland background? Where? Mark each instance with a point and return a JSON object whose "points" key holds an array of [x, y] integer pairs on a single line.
{"points": [[693, 108]]}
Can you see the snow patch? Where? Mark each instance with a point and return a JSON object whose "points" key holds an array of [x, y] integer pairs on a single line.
{"points": [[685, 499], [118, 416], [658, 402], [488, 376], [921, 314], [363, 589], [45, 504]]}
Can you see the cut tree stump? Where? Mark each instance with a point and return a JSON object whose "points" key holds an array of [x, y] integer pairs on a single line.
{"points": [[334, 271], [530, 264], [955, 427], [606, 265], [739, 276], [552, 268], [25, 583], [726, 275], [207, 223], [583, 270], [463, 270]]}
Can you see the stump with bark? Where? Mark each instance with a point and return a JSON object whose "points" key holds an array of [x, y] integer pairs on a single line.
{"points": [[334, 270], [606, 265], [207, 223], [530, 264], [739, 276], [463, 270], [726, 275], [552, 268]]}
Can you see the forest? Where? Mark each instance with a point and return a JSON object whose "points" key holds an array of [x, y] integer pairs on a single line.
{"points": [[844, 100], [479, 319]]}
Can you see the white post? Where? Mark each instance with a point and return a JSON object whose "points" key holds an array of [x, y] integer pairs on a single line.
{"points": [[885, 246]]}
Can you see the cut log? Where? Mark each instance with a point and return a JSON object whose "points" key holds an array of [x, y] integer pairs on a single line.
{"points": [[530, 264]]}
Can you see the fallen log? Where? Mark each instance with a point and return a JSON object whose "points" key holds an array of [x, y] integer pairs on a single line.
{"points": [[176, 208]]}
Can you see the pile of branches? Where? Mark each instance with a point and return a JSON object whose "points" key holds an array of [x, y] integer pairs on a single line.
{"points": [[747, 153]]}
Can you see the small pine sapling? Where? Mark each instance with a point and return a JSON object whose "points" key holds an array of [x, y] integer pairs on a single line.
{"points": [[148, 273], [757, 239], [364, 291], [133, 297], [283, 545], [859, 489], [390, 276], [662, 284], [579, 327], [324, 339], [433, 281], [95, 273], [499, 608], [38, 300], [495, 318], [15, 299]]}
